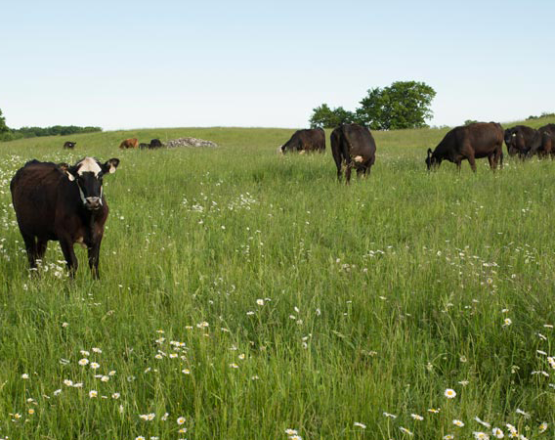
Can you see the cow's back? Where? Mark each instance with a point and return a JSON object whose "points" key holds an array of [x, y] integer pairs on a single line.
{"points": [[483, 137], [360, 141], [312, 139], [35, 189]]}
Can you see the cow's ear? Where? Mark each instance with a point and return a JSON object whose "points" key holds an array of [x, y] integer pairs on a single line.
{"points": [[66, 170], [110, 166]]}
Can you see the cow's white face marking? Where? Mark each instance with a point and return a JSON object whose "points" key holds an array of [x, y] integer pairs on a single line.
{"points": [[359, 159], [89, 165], [514, 134]]}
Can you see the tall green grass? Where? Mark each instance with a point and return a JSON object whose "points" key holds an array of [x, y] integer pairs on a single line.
{"points": [[291, 301]]}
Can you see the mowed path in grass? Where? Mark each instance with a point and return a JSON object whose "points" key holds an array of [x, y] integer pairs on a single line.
{"points": [[250, 293]]}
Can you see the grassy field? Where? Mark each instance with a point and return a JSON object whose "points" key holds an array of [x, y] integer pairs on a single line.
{"points": [[249, 293]]}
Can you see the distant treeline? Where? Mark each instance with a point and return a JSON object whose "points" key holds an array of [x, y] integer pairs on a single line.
{"points": [[57, 130]]}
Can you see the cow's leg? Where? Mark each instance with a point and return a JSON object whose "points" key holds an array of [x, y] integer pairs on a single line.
{"points": [[472, 162], [458, 162], [31, 248], [348, 170], [41, 248], [69, 255], [339, 167], [94, 254], [492, 161]]}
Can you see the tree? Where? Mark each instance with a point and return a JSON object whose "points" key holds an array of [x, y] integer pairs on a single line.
{"points": [[3, 127], [325, 117], [404, 104]]}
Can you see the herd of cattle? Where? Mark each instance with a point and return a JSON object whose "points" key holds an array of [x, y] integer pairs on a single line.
{"points": [[67, 204], [353, 146]]}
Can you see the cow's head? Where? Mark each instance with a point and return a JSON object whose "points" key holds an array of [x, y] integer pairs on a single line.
{"points": [[511, 141], [292, 145], [87, 175], [431, 161]]}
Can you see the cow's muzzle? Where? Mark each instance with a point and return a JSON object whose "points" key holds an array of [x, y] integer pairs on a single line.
{"points": [[93, 203]]}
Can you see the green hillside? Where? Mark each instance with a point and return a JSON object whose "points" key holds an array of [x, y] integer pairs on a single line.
{"points": [[250, 293]]}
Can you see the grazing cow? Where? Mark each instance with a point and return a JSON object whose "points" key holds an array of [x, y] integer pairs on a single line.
{"points": [[470, 142], [155, 143], [308, 140], [70, 145], [520, 139], [542, 144], [129, 143], [62, 203], [143, 146], [352, 145]]}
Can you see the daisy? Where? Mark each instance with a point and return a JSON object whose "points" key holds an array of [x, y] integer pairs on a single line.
{"points": [[417, 417], [458, 423], [93, 394], [543, 427], [181, 420], [83, 362], [449, 393], [359, 425], [497, 433]]}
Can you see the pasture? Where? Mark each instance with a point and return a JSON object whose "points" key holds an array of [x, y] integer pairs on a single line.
{"points": [[244, 293]]}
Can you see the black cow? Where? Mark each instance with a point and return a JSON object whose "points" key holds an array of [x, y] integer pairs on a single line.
{"points": [[543, 143], [520, 139], [70, 145], [144, 146], [470, 142], [308, 140], [352, 145], [62, 203], [156, 143]]}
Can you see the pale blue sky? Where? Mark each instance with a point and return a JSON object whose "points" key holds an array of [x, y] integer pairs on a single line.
{"points": [[131, 64]]}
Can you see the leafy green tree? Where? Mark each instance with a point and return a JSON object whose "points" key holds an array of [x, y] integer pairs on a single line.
{"points": [[325, 117], [404, 104], [470, 121], [3, 127]]}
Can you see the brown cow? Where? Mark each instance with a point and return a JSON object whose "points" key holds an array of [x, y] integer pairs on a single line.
{"points": [[520, 139], [307, 140], [470, 142], [62, 203], [352, 145], [543, 143], [129, 143]]}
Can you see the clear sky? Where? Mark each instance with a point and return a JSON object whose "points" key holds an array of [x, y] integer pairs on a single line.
{"points": [[168, 63]]}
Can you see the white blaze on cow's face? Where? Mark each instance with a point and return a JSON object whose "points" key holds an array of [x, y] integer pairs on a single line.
{"points": [[89, 165]]}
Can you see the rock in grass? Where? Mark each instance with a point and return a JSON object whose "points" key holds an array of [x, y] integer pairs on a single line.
{"points": [[190, 142]]}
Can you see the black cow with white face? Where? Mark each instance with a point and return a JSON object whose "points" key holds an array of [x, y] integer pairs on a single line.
{"points": [[62, 203]]}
